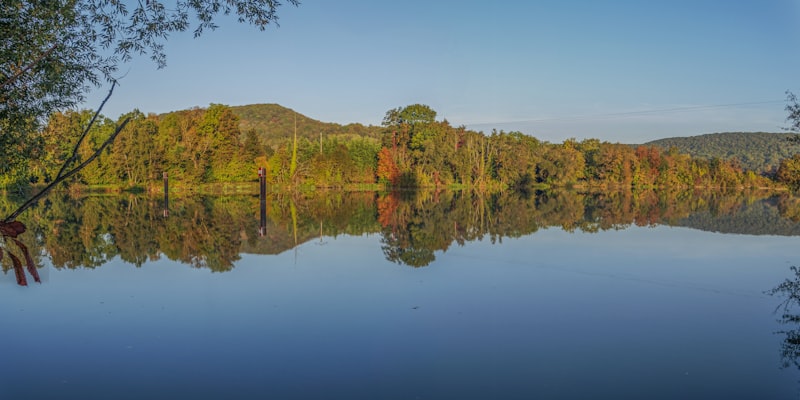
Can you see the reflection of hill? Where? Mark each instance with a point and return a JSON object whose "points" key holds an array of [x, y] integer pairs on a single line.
{"points": [[212, 232], [276, 241], [414, 229], [759, 218], [297, 220]]}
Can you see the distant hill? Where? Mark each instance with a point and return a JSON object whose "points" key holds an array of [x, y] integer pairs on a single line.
{"points": [[757, 151], [274, 123]]}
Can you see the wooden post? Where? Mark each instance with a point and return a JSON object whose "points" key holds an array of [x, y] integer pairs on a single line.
{"points": [[166, 195], [262, 180]]}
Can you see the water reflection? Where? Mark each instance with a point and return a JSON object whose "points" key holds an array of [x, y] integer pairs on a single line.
{"points": [[789, 311], [212, 232]]}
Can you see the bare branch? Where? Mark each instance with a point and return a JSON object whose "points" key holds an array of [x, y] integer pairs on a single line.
{"points": [[74, 154], [65, 176]]}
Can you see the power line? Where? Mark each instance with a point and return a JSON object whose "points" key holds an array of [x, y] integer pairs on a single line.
{"points": [[632, 113]]}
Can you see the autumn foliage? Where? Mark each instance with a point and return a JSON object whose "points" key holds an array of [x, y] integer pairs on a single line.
{"points": [[387, 168], [201, 146]]}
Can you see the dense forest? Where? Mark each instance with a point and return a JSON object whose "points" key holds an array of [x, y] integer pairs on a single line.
{"points": [[87, 231], [222, 144], [273, 124], [756, 151]]}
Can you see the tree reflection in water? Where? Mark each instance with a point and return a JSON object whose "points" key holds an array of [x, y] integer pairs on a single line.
{"points": [[212, 231], [789, 310]]}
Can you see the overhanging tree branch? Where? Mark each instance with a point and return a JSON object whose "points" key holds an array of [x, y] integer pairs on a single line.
{"points": [[30, 65], [74, 154], [62, 177]]}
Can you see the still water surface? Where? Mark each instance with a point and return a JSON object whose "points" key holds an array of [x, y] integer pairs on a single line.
{"points": [[576, 306]]}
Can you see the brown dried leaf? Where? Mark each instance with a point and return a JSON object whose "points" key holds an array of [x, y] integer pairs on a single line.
{"points": [[28, 261], [12, 229], [18, 271]]}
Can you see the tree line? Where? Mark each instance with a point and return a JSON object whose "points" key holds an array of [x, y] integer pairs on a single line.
{"points": [[207, 145], [196, 146]]}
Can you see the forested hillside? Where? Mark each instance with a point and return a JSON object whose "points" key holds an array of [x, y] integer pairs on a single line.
{"points": [[273, 123], [756, 151]]}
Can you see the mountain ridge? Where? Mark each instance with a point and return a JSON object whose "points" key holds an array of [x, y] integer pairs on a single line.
{"points": [[757, 151]]}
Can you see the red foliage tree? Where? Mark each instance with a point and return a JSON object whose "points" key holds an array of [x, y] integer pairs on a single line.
{"points": [[388, 172]]}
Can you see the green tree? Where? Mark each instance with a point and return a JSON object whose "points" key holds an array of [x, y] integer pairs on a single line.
{"points": [[46, 62], [789, 171], [53, 150], [252, 147], [515, 160], [99, 172], [412, 114], [562, 164], [220, 131], [168, 143], [793, 108], [364, 152], [406, 131], [133, 157]]}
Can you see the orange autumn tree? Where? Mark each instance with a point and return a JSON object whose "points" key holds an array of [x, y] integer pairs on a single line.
{"points": [[388, 172]]}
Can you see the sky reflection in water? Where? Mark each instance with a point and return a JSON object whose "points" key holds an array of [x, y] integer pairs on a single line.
{"points": [[639, 313]]}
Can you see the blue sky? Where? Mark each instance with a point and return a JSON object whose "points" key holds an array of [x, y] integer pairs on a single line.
{"points": [[619, 71]]}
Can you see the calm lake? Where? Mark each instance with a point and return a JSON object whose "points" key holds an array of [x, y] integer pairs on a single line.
{"points": [[410, 295]]}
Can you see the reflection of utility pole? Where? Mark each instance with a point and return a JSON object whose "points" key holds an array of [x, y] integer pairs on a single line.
{"points": [[166, 195], [262, 180], [320, 234], [293, 210]]}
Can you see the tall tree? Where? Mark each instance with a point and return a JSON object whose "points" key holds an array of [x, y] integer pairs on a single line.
{"points": [[387, 170], [132, 159], [789, 171], [411, 114], [220, 129], [53, 150], [793, 108]]}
